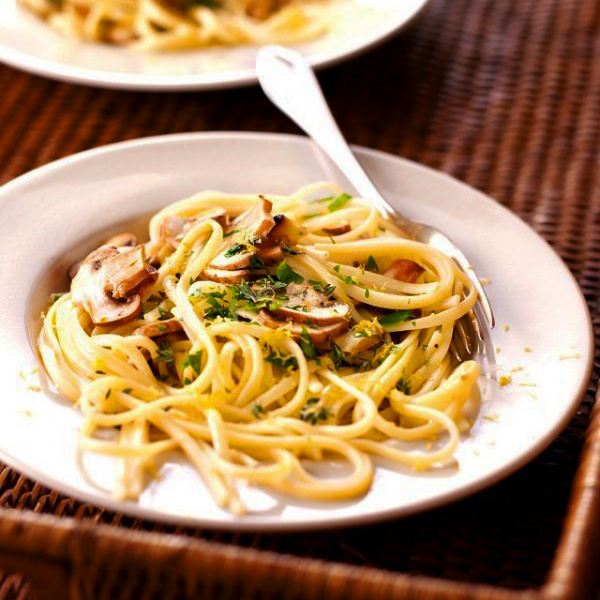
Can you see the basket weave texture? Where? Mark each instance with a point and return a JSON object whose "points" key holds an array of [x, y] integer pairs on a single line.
{"points": [[504, 95]]}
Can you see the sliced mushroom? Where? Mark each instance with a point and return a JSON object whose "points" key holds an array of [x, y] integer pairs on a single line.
{"points": [[258, 220], [305, 305], [263, 9], [108, 282], [237, 250], [405, 270], [223, 276], [339, 229], [173, 227], [285, 231], [159, 328], [318, 335], [125, 271], [121, 240], [363, 336], [271, 255]]}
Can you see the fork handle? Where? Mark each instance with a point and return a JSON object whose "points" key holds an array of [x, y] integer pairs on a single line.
{"points": [[290, 83]]}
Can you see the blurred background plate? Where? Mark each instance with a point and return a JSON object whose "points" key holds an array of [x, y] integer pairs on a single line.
{"points": [[30, 44]]}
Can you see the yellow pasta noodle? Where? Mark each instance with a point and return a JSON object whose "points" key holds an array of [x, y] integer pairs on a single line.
{"points": [[170, 25]]}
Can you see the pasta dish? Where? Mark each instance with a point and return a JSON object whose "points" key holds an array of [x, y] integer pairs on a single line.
{"points": [[184, 24], [259, 334]]}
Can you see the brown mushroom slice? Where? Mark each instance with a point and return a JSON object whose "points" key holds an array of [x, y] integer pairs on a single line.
{"points": [[122, 240], [173, 227], [405, 270], [236, 253], [223, 276], [351, 345], [105, 273], [318, 335], [338, 230], [125, 271], [257, 220], [271, 255], [305, 305], [159, 328], [285, 231], [363, 336], [263, 9]]}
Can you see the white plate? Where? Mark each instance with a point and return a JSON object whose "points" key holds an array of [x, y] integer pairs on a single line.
{"points": [[28, 43], [50, 217]]}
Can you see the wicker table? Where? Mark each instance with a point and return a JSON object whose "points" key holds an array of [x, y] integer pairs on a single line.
{"points": [[503, 94]]}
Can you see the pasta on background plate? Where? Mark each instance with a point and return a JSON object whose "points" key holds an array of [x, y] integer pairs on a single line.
{"points": [[260, 333], [155, 25]]}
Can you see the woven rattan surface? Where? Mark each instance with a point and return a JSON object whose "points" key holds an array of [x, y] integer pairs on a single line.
{"points": [[503, 94]]}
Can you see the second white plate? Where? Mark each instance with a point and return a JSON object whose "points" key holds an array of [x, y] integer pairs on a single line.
{"points": [[52, 216], [28, 43]]}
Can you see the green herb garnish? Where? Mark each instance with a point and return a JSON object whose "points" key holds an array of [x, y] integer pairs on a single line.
{"points": [[311, 413], [286, 274], [372, 265], [193, 360], [396, 317], [233, 250], [257, 410], [307, 345], [321, 287], [339, 202]]}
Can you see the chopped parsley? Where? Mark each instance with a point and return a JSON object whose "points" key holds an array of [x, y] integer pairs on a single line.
{"points": [[307, 345], [339, 202], [290, 251], [286, 274], [257, 410], [193, 360], [217, 306], [163, 314], [256, 264], [403, 385], [233, 250], [372, 265], [165, 354], [396, 317], [351, 280], [311, 413], [321, 287], [337, 356], [285, 362]]}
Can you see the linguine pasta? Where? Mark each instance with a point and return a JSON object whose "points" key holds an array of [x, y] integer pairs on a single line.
{"points": [[270, 331], [154, 25]]}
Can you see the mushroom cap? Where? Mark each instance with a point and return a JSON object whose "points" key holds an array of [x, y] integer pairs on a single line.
{"points": [[318, 334], [174, 227], [340, 229], [351, 344], [285, 231], [122, 240], [405, 270], [304, 304], [246, 231], [107, 284], [223, 276], [159, 328]]}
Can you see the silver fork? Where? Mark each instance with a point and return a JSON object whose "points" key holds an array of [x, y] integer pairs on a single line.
{"points": [[289, 82]]}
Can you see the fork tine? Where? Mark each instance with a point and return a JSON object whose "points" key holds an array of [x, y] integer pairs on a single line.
{"points": [[464, 338]]}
